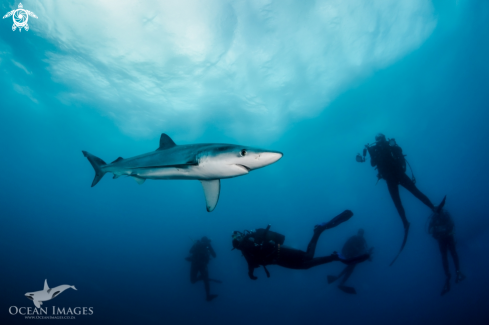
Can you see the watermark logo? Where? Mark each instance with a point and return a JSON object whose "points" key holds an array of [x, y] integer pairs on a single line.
{"points": [[20, 17], [38, 312], [47, 293]]}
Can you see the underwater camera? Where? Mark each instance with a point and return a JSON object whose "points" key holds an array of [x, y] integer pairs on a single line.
{"points": [[360, 158]]}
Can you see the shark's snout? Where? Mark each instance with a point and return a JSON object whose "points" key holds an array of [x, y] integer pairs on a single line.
{"points": [[273, 156], [263, 159], [269, 157]]}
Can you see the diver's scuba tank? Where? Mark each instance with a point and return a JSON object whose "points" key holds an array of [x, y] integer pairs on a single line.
{"points": [[265, 235]]}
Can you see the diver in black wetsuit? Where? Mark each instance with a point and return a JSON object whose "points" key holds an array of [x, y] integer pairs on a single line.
{"points": [[200, 256], [391, 165], [441, 228], [355, 246], [264, 247]]}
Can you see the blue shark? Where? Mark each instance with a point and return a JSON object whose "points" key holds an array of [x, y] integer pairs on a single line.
{"points": [[207, 162]]}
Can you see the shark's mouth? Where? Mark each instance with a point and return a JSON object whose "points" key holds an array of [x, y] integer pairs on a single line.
{"points": [[244, 167], [29, 297]]}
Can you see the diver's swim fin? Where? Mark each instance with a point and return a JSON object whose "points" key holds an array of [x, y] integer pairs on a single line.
{"points": [[332, 278], [342, 217], [440, 206], [406, 232], [346, 289]]}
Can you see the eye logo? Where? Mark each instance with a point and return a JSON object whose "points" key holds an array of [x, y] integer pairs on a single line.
{"points": [[47, 293], [20, 17]]}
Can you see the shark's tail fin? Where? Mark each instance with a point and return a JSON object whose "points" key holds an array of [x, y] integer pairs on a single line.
{"points": [[73, 287], [97, 164]]}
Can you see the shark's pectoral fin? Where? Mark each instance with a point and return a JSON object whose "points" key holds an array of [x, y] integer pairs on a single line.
{"points": [[211, 190], [46, 287], [139, 179], [37, 303]]}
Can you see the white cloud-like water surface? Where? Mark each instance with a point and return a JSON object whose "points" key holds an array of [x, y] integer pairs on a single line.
{"points": [[157, 65]]}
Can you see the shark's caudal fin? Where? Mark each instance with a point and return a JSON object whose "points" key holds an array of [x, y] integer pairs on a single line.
{"points": [[73, 287], [211, 190], [97, 163]]}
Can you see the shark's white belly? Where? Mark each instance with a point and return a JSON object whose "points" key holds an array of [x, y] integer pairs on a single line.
{"points": [[197, 172]]}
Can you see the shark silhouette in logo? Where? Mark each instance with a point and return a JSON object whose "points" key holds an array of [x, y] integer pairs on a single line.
{"points": [[207, 162], [47, 293]]}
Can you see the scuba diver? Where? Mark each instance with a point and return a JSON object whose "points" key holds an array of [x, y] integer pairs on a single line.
{"points": [[441, 228], [264, 247], [200, 256], [355, 246], [388, 159]]}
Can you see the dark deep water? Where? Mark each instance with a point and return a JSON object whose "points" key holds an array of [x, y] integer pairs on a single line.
{"points": [[123, 245]]}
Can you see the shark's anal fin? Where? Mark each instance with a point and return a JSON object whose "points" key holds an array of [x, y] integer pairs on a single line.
{"points": [[139, 179], [46, 287], [165, 142], [212, 189]]}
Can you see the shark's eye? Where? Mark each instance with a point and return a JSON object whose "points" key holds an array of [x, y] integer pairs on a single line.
{"points": [[243, 153]]}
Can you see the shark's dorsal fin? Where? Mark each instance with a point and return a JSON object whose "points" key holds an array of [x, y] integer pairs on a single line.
{"points": [[118, 159], [46, 287], [49, 290], [212, 189], [166, 142]]}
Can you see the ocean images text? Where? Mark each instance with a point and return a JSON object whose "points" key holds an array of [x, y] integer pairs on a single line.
{"points": [[30, 311]]}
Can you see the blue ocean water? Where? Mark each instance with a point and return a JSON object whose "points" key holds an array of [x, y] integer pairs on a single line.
{"points": [[123, 245]]}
